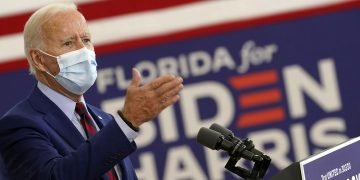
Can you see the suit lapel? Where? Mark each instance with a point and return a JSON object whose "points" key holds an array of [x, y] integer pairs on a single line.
{"points": [[56, 118], [102, 118], [64, 127]]}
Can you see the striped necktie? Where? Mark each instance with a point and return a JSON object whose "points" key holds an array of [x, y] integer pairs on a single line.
{"points": [[90, 129]]}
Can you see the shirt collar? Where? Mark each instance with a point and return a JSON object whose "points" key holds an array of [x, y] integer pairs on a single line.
{"points": [[64, 103]]}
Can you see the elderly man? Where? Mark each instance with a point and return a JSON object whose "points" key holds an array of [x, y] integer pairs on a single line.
{"points": [[53, 133]]}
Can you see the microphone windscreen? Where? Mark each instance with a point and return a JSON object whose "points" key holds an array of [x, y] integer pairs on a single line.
{"points": [[208, 137], [224, 131]]}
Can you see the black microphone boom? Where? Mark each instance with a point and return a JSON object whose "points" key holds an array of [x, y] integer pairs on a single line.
{"points": [[218, 137]]}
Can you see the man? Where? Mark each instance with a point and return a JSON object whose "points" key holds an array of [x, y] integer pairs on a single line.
{"points": [[53, 133]]}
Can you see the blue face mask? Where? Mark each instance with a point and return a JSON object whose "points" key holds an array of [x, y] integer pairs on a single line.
{"points": [[77, 70]]}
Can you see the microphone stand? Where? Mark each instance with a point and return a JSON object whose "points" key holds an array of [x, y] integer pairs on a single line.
{"points": [[245, 149]]}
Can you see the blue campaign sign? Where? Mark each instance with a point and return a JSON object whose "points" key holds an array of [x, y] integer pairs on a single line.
{"points": [[290, 86], [287, 86], [340, 162]]}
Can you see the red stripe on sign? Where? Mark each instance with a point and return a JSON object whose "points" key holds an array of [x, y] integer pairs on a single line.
{"points": [[260, 98], [13, 65], [254, 79], [205, 31], [225, 27], [95, 10], [261, 117]]}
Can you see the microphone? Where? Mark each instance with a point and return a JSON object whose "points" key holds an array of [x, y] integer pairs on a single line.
{"points": [[215, 140], [218, 137], [209, 138], [212, 139], [229, 135]]}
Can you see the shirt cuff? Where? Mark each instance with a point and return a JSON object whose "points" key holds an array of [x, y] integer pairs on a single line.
{"points": [[128, 131]]}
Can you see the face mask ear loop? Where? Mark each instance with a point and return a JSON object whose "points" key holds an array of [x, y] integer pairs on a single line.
{"points": [[50, 74], [50, 56], [47, 54]]}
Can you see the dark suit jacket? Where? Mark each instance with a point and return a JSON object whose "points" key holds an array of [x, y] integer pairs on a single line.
{"points": [[38, 141]]}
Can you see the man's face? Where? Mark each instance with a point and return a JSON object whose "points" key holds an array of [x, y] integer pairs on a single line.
{"points": [[64, 32]]}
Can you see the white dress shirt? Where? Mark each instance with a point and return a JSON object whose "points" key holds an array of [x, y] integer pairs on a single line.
{"points": [[68, 107]]}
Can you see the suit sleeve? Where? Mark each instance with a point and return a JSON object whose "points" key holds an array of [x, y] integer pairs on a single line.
{"points": [[29, 154]]}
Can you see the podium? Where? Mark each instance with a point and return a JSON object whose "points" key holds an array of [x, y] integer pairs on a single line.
{"points": [[340, 162]]}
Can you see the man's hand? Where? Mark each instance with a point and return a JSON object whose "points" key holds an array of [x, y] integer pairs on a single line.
{"points": [[143, 103]]}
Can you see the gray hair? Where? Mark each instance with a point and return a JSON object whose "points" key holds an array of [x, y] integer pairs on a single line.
{"points": [[33, 27]]}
